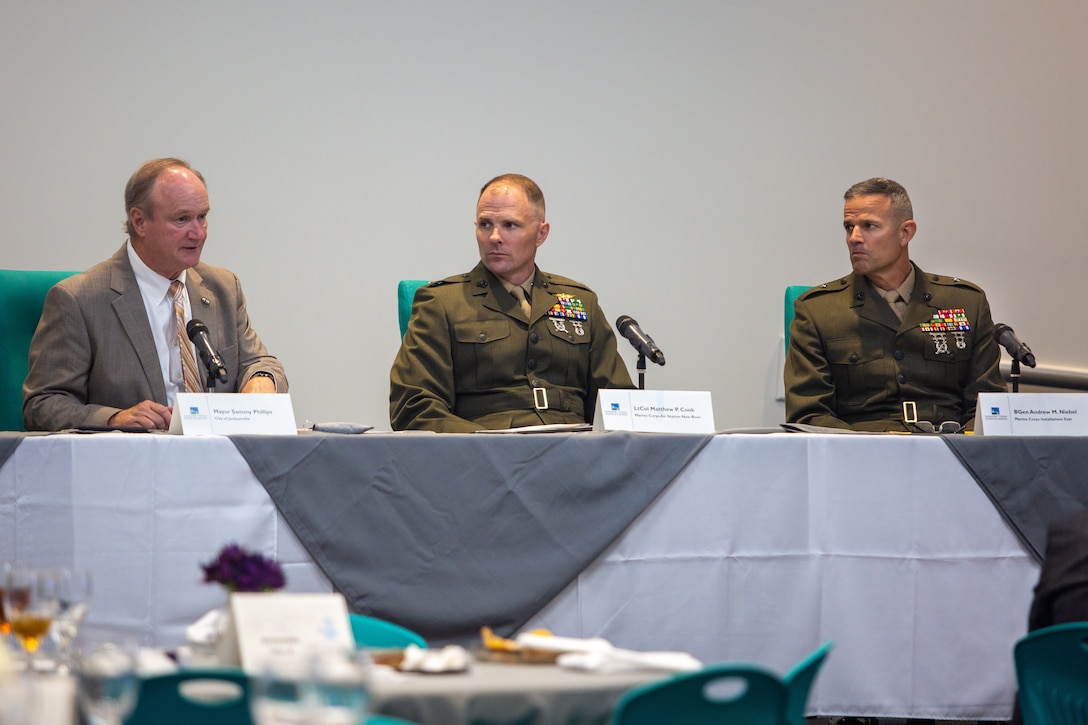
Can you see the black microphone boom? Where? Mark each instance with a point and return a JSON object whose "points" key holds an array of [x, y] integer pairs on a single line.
{"points": [[198, 333], [1018, 349], [639, 339]]}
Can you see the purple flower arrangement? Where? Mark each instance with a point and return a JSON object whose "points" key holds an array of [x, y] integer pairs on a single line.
{"points": [[241, 571]]}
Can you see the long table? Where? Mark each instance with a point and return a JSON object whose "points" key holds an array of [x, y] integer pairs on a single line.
{"points": [[761, 548]]}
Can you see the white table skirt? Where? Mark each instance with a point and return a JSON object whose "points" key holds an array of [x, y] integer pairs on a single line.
{"points": [[761, 549]]}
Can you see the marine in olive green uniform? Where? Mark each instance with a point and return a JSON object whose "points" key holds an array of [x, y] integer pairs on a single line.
{"points": [[852, 363], [471, 359], [889, 344], [476, 357]]}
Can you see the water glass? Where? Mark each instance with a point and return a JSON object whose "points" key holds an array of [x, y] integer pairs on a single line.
{"points": [[340, 686], [105, 662], [74, 588], [276, 699]]}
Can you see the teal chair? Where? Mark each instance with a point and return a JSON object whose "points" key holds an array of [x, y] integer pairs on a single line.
{"points": [[1052, 675], [379, 634], [799, 681], [725, 693], [163, 699], [406, 292], [22, 294], [792, 293]]}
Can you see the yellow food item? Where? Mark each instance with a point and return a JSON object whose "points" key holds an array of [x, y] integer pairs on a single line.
{"points": [[493, 641]]}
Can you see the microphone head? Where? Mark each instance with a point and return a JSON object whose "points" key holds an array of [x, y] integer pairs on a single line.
{"points": [[194, 328], [623, 322], [1000, 329]]}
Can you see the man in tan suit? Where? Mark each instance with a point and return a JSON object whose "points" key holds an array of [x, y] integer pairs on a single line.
{"points": [[505, 345], [107, 350]]}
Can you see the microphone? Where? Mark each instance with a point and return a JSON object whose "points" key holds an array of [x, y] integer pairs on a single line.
{"points": [[1018, 349], [639, 339], [198, 333]]}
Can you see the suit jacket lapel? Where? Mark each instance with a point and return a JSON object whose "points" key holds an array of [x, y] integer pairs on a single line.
{"points": [[129, 308]]}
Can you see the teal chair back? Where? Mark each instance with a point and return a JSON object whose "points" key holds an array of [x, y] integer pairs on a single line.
{"points": [[792, 293], [379, 634], [1052, 675], [799, 681], [163, 699], [406, 292], [22, 295], [725, 693]]}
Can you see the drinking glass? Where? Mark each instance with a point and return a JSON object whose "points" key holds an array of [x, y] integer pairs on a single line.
{"points": [[331, 688], [30, 603], [278, 699], [105, 664], [74, 587], [5, 569], [340, 686]]}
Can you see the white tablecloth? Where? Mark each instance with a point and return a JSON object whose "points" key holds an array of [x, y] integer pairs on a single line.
{"points": [[762, 548]]}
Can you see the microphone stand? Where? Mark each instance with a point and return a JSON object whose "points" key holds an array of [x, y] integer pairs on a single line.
{"points": [[641, 367], [1014, 374]]}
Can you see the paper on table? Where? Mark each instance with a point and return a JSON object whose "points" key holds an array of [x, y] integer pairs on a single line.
{"points": [[552, 428]]}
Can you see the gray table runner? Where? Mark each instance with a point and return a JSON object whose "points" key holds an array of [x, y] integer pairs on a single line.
{"points": [[446, 533], [1031, 481], [9, 441]]}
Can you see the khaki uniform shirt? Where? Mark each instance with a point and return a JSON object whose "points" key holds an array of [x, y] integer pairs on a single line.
{"points": [[852, 364], [471, 360]]}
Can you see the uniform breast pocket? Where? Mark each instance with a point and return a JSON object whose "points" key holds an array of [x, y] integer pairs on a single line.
{"points": [[858, 370], [947, 365], [479, 350], [569, 351]]}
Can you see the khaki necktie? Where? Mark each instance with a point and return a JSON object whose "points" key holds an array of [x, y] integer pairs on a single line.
{"points": [[899, 306], [188, 362], [519, 295]]}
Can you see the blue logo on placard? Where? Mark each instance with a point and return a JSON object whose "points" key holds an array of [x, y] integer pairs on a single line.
{"points": [[615, 406], [995, 410], [194, 410]]}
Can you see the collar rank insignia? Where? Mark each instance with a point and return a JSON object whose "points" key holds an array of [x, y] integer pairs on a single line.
{"points": [[568, 307], [947, 322]]}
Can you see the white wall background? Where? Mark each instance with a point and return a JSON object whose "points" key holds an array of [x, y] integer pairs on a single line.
{"points": [[693, 155]]}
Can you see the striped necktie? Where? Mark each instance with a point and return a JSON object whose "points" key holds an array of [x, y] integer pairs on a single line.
{"points": [[188, 362]]}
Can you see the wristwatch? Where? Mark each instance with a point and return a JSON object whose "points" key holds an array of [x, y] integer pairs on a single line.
{"points": [[264, 374]]}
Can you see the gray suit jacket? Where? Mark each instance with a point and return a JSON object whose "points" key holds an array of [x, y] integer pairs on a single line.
{"points": [[93, 353]]}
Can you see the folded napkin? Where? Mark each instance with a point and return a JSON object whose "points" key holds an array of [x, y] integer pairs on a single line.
{"points": [[151, 662], [625, 660], [551, 643], [452, 658], [207, 630]]}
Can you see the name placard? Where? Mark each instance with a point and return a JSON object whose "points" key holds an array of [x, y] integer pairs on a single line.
{"points": [[280, 631], [655, 411], [1032, 414], [227, 413]]}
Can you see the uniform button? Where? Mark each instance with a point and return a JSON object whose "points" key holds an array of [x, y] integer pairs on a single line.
{"points": [[570, 337], [859, 296], [899, 355], [532, 363], [901, 378], [535, 383], [854, 357], [483, 335], [927, 296], [533, 337]]}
